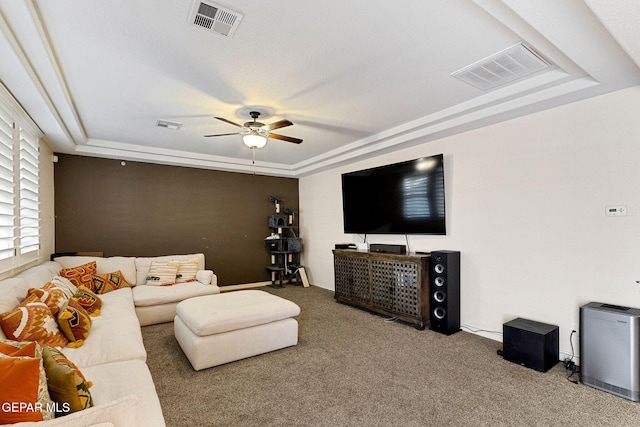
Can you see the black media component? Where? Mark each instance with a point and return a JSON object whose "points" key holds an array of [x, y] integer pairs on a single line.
{"points": [[444, 291], [531, 344], [402, 198], [388, 249]]}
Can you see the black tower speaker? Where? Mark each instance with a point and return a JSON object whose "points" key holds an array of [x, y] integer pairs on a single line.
{"points": [[444, 291]]}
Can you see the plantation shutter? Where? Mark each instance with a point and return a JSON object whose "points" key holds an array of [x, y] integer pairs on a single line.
{"points": [[7, 188], [29, 195]]}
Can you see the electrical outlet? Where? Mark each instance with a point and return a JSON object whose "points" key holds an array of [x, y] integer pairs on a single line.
{"points": [[574, 328]]}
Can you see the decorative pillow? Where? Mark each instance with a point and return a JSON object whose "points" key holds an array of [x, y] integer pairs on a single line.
{"points": [[204, 276], [103, 283], [162, 273], [32, 321], [52, 296], [186, 270], [18, 348], [24, 393], [67, 386], [80, 275], [88, 300], [63, 284], [75, 323]]}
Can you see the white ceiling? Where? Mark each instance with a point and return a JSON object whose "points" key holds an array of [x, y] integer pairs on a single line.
{"points": [[357, 78]]}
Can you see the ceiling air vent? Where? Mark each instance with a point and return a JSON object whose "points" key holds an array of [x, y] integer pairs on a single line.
{"points": [[214, 18], [168, 125], [503, 67]]}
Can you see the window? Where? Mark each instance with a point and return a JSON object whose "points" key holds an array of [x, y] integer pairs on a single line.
{"points": [[19, 192]]}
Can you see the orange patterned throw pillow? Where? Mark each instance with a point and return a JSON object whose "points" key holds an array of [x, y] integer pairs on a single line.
{"points": [[75, 323], [50, 295], [32, 321], [103, 283], [80, 275]]}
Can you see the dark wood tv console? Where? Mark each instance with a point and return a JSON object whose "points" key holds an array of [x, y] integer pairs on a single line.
{"points": [[395, 285]]}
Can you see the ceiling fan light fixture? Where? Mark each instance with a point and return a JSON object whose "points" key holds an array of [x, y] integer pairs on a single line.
{"points": [[254, 140]]}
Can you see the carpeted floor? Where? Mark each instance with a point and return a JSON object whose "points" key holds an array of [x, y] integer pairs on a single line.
{"points": [[353, 368]]}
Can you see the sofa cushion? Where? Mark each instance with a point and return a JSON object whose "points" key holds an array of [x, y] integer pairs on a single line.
{"points": [[143, 264], [114, 380], [115, 334], [67, 386], [104, 283], [12, 292], [120, 412], [106, 265], [40, 274], [144, 296], [32, 321]]}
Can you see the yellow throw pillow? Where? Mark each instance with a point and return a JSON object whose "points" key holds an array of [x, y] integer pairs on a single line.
{"points": [[88, 300], [67, 386], [75, 323]]}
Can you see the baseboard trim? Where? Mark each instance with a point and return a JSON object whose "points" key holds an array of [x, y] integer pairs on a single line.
{"points": [[227, 288]]}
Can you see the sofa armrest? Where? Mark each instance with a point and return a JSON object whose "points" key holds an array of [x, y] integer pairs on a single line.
{"points": [[207, 277]]}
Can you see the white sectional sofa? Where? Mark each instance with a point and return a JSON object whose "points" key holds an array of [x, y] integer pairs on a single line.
{"points": [[113, 355]]}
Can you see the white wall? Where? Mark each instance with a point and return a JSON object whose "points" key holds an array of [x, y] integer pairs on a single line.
{"points": [[526, 207]]}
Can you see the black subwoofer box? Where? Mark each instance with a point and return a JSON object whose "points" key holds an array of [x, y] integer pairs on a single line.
{"points": [[531, 344]]}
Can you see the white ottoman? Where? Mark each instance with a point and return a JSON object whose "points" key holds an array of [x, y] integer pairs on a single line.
{"points": [[222, 328]]}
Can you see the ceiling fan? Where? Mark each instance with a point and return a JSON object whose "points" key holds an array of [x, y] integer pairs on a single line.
{"points": [[255, 134]]}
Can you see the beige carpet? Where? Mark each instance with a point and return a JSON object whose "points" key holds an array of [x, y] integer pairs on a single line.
{"points": [[353, 368]]}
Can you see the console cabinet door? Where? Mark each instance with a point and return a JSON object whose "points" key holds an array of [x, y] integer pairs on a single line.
{"points": [[395, 287], [352, 279]]}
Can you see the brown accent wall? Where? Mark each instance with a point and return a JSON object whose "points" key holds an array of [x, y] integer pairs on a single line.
{"points": [[144, 209]]}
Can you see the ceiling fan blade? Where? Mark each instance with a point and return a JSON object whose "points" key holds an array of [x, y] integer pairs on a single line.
{"points": [[223, 134], [285, 138], [277, 125], [228, 121]]}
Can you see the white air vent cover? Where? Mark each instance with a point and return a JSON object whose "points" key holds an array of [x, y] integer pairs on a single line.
{"points": [[503, 67], [214, 18], [168, 125]]}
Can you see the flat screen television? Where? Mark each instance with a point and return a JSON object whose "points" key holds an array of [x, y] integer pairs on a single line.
{"points": [[402, 198]]}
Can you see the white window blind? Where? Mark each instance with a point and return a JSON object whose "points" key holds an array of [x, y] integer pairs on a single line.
{"points": [[29, 195], [7, 189], [19, 193]]}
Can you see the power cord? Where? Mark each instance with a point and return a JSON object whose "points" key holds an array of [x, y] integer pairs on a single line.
{"points": [[570, 365]]}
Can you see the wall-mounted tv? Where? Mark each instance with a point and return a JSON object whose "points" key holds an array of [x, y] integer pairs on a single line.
{"points": [[402, 198]]}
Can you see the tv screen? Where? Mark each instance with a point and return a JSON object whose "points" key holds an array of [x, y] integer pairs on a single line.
{"points": [[402, 198]]}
